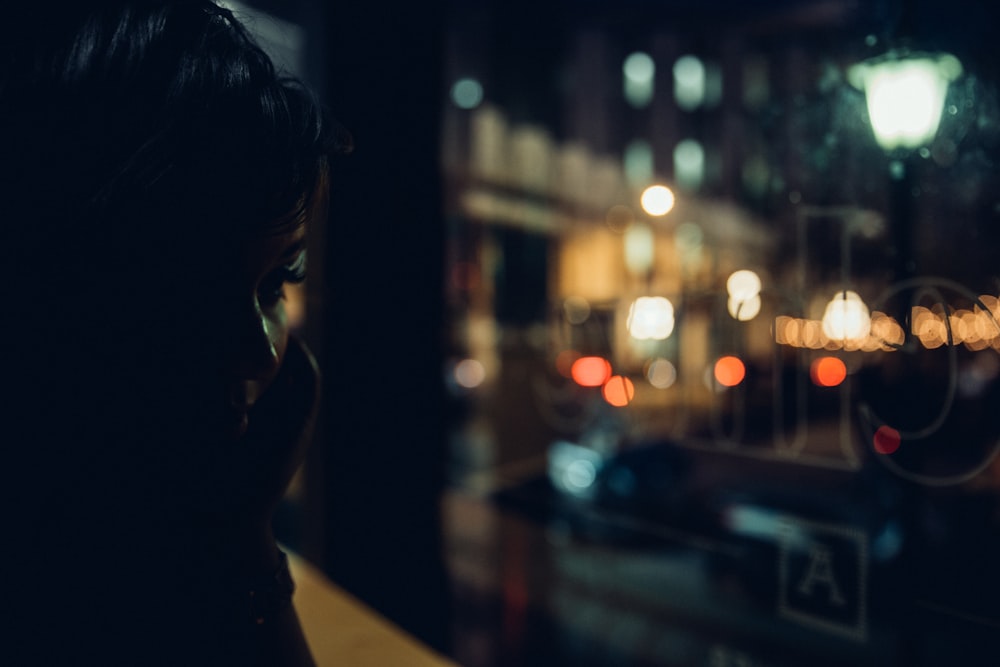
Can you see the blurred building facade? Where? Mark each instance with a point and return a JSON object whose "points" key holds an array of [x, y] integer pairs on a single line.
{"points": [[718, 434]]}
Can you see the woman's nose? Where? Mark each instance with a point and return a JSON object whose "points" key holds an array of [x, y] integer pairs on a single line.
{"points": [[256, 347]]}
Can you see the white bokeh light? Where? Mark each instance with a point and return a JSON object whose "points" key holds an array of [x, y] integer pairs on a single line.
{"points": [[650, 318], [743, 284], [657, 200], [661, 373], [744, 310], [846, 317]]}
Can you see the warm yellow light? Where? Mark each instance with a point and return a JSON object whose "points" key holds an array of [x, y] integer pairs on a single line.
{"points": [[744, 295], [651, 318], [846, 317], [746, 309], [657, 200], [743, 285], [905, 95]]}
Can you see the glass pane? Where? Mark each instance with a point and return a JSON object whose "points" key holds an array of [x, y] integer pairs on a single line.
{"points": [[753, 426]]}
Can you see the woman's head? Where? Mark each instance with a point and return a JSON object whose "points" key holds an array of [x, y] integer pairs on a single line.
{"points": [[156, 177], [163, 103]]}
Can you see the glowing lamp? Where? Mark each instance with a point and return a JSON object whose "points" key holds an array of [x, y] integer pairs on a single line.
{"points": [[905, 93]]}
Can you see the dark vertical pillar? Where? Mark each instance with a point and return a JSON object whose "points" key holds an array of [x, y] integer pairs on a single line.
{"points": [[384, 436]]}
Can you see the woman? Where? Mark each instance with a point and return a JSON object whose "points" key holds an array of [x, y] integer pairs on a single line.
{"points": [[158, 178]]}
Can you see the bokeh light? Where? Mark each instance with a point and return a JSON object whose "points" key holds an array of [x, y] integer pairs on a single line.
{"points": [[689, 82], [638, 163], [886, 440], [744, 294], [745, 310], [618, 391], [639, 66], [846, 317], [689, 164], [591, 371], [729, 371], [639, 71], [661, 373], [576, 309], [467, 93], [743, 284], [639, 248], [650, 318], [828, 371], [470, 373], [657, 200]]}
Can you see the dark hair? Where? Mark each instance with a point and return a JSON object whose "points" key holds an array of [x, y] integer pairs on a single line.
{"points": [[123, 114], [137, 137]]}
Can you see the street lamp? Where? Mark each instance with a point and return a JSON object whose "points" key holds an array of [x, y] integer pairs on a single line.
{"points": [[905, 92]]}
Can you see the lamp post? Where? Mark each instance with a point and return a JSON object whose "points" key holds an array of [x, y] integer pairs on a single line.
{"points": [[905, 93]]}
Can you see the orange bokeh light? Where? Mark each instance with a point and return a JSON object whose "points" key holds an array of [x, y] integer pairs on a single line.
{"points": [[591, 371], [729, 371], [618, 391], [828, 371]]}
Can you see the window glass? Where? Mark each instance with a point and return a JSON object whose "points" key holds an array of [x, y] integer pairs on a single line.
{"points": [[758, 425]]}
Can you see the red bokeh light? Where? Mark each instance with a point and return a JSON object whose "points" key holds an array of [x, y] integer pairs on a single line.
{"points": [[729, 371], [887, 440], [591, 371], [828, 371]]}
